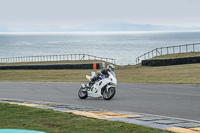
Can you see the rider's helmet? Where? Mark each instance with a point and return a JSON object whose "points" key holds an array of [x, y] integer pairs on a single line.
{"points": [[111, 68]]}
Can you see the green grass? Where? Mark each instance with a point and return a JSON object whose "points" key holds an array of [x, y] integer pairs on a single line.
{"points": [[44, 75], [181, 74], [22, 117], [179, 55]]}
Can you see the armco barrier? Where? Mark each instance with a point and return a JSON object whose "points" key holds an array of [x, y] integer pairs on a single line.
{"points": [[167, 62], [55, 66]]}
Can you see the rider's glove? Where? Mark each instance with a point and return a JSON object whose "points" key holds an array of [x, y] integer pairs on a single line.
{"points": [[99, 73]]}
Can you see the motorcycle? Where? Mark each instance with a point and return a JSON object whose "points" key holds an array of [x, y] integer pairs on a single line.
{"points": [[104, 87]]}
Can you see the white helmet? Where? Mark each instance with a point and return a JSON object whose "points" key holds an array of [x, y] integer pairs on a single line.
{"points": [[111, 68]]}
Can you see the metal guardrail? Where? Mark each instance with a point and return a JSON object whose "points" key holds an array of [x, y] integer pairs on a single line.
{"points": [[169, 50], [63, 57]]}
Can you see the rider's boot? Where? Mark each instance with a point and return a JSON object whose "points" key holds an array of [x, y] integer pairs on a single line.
{"points": [[91, 83]]}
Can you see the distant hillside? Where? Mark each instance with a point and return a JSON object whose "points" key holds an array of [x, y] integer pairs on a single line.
{"points": [[130, 27], [98, 27]]}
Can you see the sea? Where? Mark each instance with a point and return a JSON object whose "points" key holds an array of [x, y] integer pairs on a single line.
{"points": [[125, 47]]}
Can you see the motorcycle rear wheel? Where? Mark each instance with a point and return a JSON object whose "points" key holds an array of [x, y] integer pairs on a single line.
{"points": [[110, 94], [82, 94]]}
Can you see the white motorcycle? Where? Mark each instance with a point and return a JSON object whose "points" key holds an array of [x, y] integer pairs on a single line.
{"points": [[103, 87]]}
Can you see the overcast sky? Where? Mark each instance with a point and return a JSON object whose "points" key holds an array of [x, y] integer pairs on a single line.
{"points": [[72, 13]]}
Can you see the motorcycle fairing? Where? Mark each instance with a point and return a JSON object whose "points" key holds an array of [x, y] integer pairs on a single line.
{"points": [[95, 90]]}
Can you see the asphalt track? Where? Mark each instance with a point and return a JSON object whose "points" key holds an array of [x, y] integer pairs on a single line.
{"points": [[172, 100]]}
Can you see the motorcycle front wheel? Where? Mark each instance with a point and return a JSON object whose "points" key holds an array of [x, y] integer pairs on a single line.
{"points": [[82, 94], [107, 95]]}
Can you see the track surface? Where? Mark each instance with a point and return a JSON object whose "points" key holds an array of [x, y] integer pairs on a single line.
{"points": [[173, 100]]}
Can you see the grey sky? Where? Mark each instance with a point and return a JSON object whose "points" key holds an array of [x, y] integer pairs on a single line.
{"points": [[71, 13]]}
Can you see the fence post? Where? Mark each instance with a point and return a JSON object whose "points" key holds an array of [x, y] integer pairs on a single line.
{"points": [[193, 48], [167, 50], [156, 52], [186, 48]]}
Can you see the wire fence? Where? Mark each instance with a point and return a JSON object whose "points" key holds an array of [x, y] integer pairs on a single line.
{"points": [[169, 50], [63, 57]]}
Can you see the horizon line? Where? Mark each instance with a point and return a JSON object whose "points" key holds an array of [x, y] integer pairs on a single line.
{"points": [[65, 32]]}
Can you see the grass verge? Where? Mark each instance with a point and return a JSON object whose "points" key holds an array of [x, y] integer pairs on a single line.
{"points": [[176, 74], [22, 117], [178, 55], [181, 74]]}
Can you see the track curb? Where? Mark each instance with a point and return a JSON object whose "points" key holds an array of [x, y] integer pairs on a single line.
{"points": [[154, 121]]}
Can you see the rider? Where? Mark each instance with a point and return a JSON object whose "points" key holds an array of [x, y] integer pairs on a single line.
{"points": [[110, 68]]}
